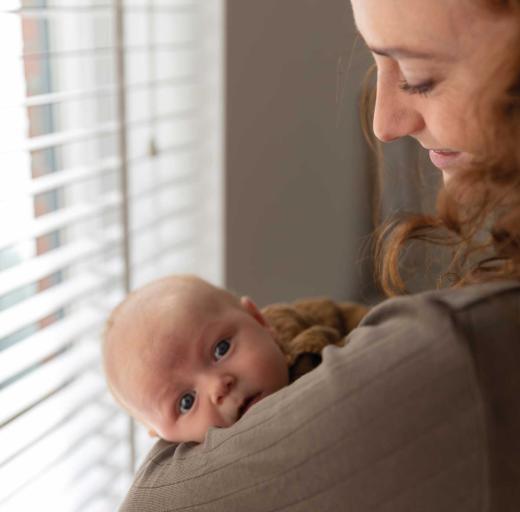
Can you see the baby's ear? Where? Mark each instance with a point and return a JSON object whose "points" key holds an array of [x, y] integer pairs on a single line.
{"points": [[253, 310]]}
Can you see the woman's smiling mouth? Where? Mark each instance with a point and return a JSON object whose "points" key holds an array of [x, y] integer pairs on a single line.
{"points": [[444, 158]]}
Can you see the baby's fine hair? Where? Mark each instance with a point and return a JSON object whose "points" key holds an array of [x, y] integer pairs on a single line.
{"points": [[162, 285]]}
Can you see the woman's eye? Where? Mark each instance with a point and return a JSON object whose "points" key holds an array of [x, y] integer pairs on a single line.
{"points": [[422, 89], [186, 402], [221, 349]]}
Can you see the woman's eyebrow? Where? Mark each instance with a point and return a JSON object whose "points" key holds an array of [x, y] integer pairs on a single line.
{"points": [[398, 52]]}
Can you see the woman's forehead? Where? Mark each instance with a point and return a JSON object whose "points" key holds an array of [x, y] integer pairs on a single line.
{"points": [[416, 25]]}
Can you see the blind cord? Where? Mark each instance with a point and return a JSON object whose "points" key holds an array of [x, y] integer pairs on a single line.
{"points": [[123, 152]]}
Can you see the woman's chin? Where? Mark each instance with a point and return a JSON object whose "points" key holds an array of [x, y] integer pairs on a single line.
{"points": [[464, 196], [447, 176]]}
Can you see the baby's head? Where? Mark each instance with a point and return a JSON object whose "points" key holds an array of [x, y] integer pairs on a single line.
{"points": [[181, 356]]}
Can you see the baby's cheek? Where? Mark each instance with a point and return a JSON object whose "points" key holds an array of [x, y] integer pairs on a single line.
{"points": [[198, 429], [275, 370]]}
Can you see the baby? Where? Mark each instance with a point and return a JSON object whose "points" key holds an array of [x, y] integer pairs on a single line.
{"points": [[181, 355]]}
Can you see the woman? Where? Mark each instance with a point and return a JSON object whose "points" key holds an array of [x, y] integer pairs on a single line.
{"points": [[420, 410]]}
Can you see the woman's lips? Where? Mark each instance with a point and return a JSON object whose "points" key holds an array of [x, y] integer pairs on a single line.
{"points": [[444, 159]]}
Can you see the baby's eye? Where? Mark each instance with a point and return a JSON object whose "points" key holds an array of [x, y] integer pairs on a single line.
{"points": [[221, 349], [186, 402]]}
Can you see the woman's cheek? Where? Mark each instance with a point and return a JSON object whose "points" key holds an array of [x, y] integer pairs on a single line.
{"points": [[448, 129], [460, 123]]}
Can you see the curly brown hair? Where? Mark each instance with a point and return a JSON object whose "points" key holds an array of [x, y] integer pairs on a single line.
{"points": [[484, 238]]}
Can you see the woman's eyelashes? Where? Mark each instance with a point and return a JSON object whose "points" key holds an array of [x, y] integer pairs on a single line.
{"points": [[221, 349], [423, 89]]}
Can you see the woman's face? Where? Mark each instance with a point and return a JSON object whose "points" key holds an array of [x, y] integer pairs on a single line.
{"points": [[433, 58]]}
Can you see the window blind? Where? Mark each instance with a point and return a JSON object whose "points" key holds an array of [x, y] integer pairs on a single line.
{"points": [[110, 176]]}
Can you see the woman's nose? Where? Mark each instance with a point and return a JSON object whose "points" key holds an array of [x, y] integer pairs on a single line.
{"points": [[220, 387], [395, 115]]}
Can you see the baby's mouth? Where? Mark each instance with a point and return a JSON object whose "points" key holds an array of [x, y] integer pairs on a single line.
{"points": [[247, 403]]}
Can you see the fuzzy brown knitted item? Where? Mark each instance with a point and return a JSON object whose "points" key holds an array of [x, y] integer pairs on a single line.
{"points": [[302, 329]]}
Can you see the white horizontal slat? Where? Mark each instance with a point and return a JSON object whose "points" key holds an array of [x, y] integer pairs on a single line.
{"points": [[139, 225], [49, 414], [117, 465], [91, 485], [35, 386], [59, 10], [59, 97], [181, 147], [101, 503], [111, 493], [25, 468], [51, 10], [13, 233], [64, 486], [59, 138], [91, 51], [53, 494], [47, 302], [165, 252], [143, 443], [181, 182], [78, 94], [70, 176], [45, 343], [58, 259], [182, 113]]}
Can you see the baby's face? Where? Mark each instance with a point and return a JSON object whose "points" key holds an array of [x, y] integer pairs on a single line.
{"points": [[205, 364]]}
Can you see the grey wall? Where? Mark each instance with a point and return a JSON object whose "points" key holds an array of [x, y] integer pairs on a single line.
{"points": [[298, 198]]}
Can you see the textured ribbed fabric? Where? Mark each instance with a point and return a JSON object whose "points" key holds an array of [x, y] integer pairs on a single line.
{"points": [[401, 419]]}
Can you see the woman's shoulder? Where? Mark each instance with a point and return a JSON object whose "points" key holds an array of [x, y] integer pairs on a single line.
{"points": [[472, 295], [450, 301], [453, 320], [486, 322]]}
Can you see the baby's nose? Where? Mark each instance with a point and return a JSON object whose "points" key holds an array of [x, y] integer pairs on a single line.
{"points": [[222, 386]]}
